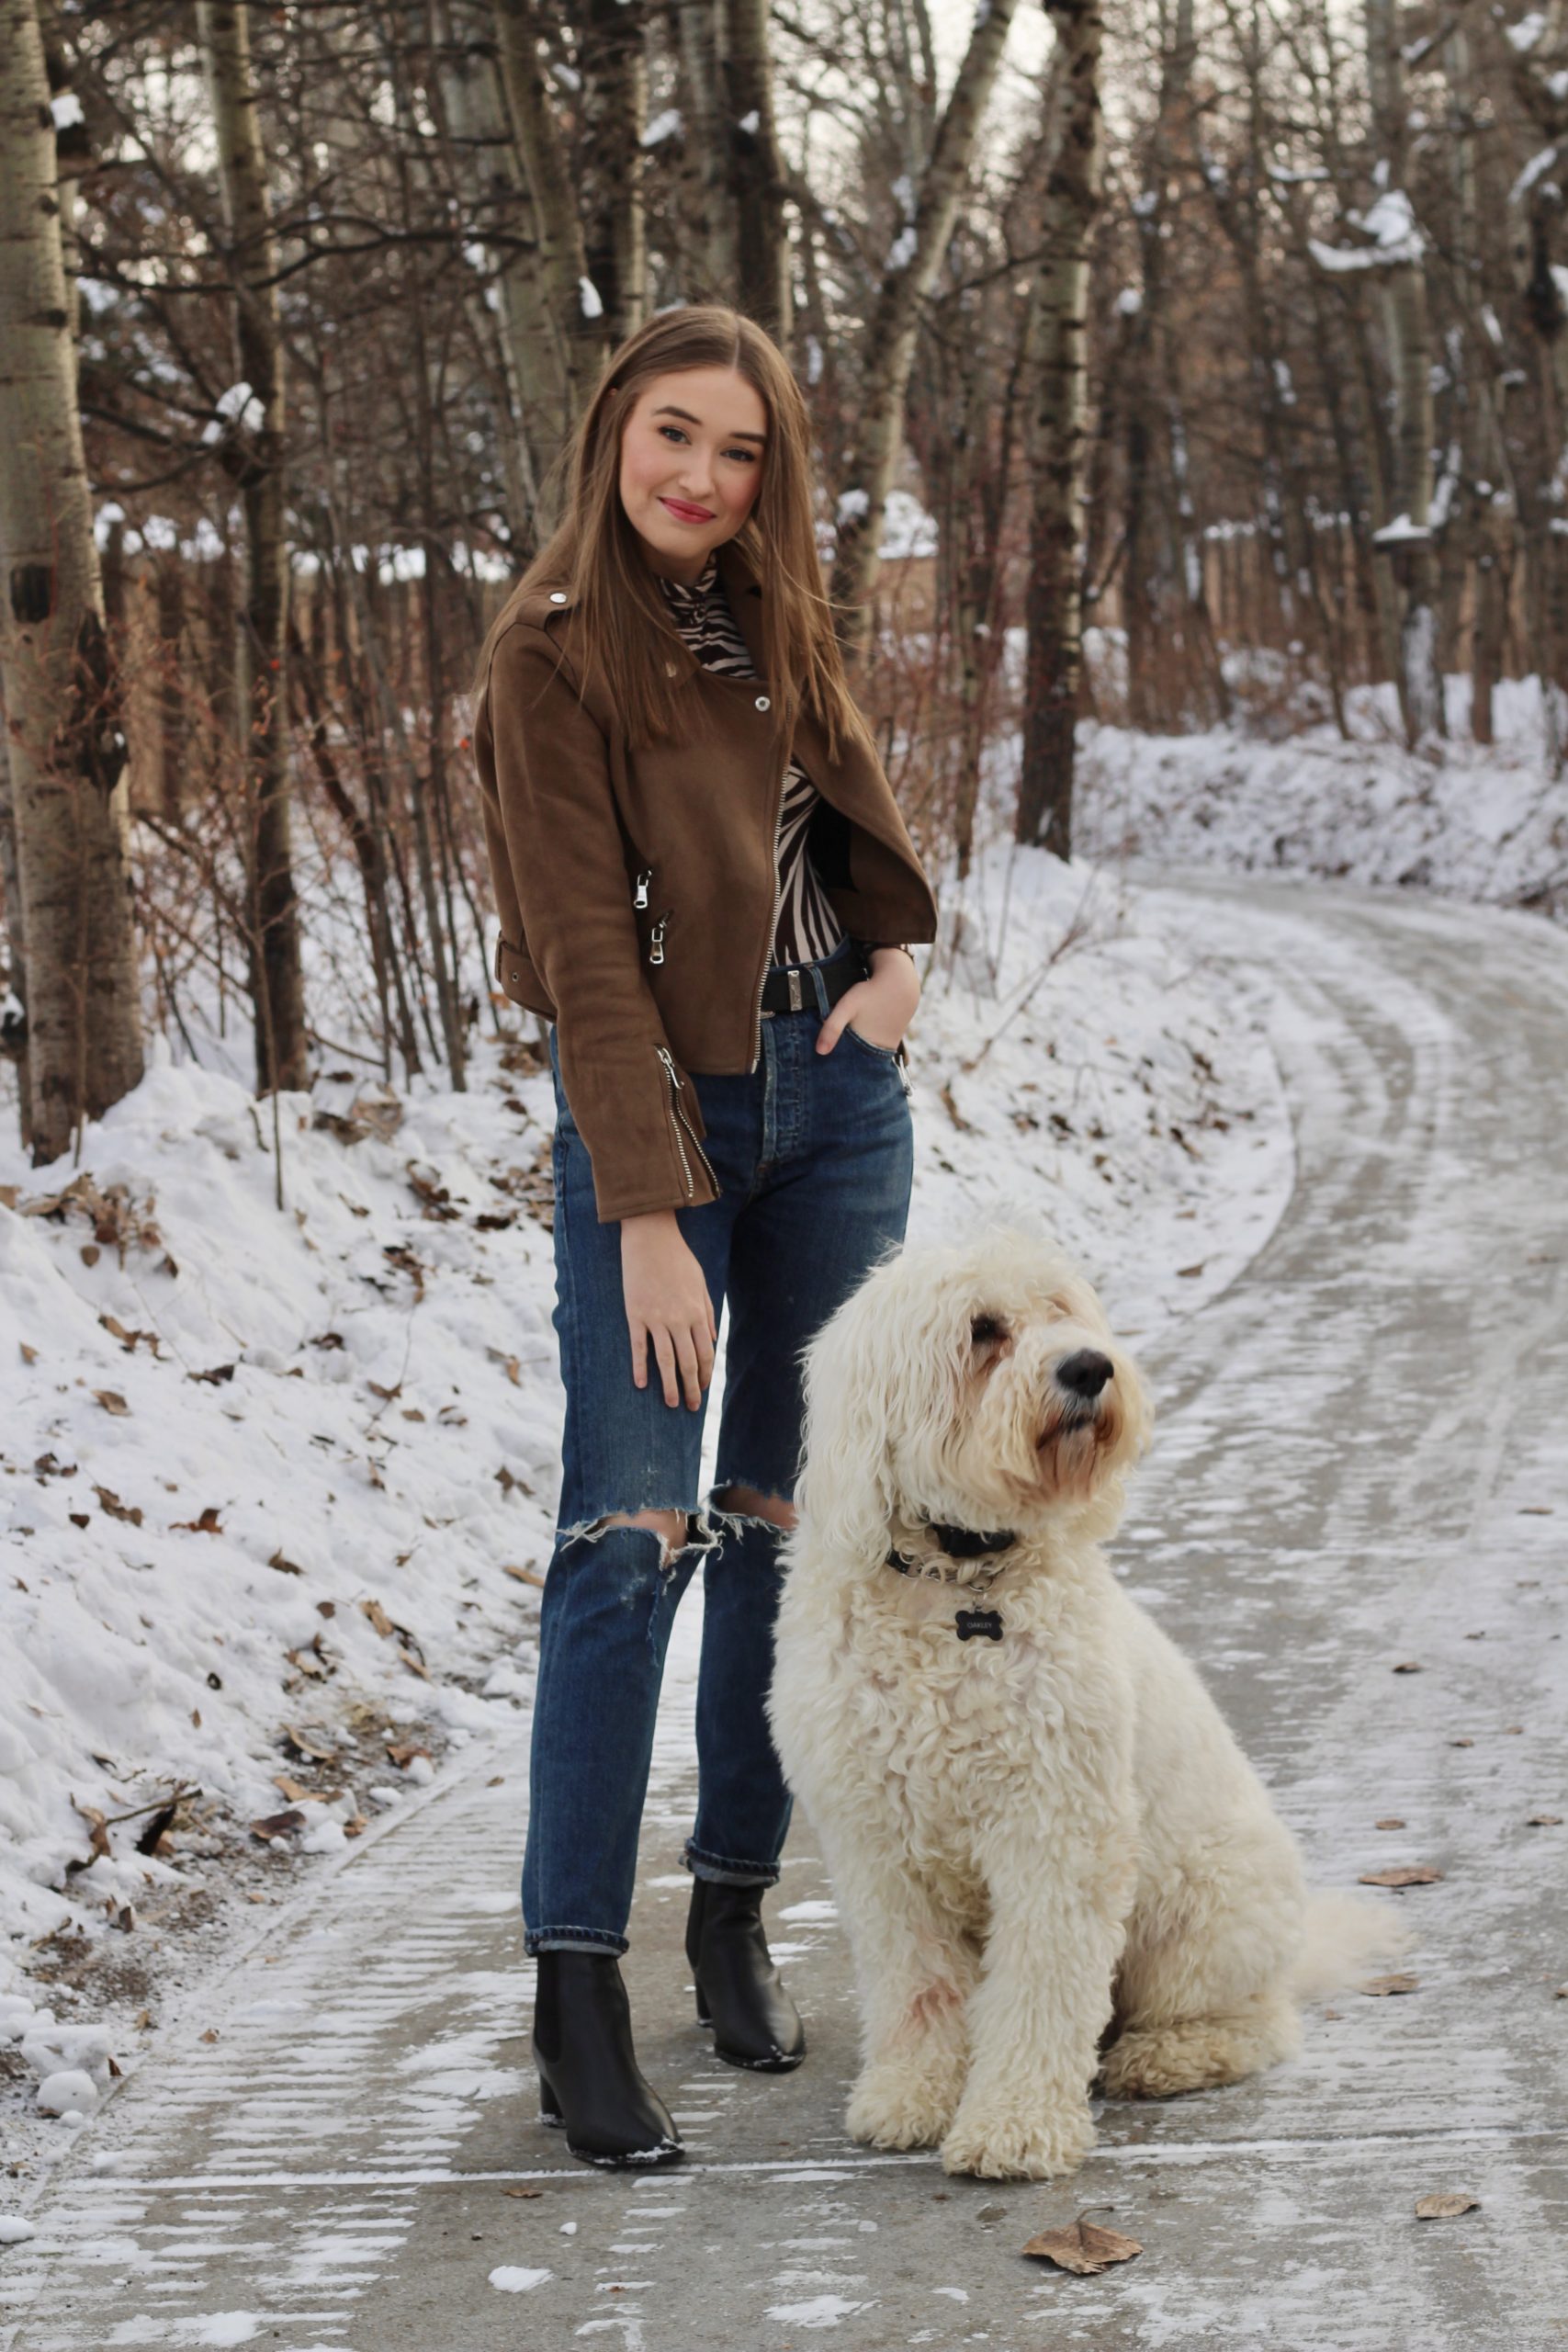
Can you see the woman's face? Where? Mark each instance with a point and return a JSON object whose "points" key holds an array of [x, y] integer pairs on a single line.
{"points": [[691, 464]]}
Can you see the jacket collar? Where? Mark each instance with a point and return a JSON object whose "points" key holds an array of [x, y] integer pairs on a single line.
{"points": [[546, 602]]}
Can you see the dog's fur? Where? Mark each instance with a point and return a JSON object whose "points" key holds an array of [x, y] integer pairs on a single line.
{"points": [[1051, 1856]]}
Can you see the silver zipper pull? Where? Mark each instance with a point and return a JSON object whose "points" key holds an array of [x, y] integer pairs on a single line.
{"points": [[656, 941], [643, 879], [667, 1058]]}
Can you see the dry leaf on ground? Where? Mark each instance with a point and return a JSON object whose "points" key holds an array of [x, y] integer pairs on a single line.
{"points": [[1419, 1876], [1083, 2247], [378, 1618], [523, 1575], [1544, 1821], [1444, 2204], [1379, 1986], [277, 1825], [304, 1745], [111, 1400], [1389, 1821], [1408, 1666]]}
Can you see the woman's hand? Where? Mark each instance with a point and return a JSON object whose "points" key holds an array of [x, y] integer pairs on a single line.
{"points": [[667, 1302], [880, 1009]]}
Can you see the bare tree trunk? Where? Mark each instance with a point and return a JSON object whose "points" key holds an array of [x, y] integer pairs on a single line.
{"points": [[573, 303], [613, 60], [1407, 536], [1059, 439], [487, 169], [67, 893], [714, 260], [756, 172], [889, 344], [282, 1051]]}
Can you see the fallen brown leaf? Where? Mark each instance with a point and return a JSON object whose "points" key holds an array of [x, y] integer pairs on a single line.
{"points": [[285, 1567], [378, 1618], [208, 1524], [109, 1501], [522, 2192], [1544, 1821], [97, 1828], [30, 1356], [1378, 1987], [1184, 1274], [111, 1400], [1390, 1821], [1083, 2247], [210, 2035], [1418, 1876], [277, 1825], [404, 1751], [1444, 2204], [1408, 1666], [523, 1575], [215, 1378], [304, 1745]]}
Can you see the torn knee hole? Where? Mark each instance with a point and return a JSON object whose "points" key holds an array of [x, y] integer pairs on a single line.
{"points": [[741, 1503], [673, 1529]]}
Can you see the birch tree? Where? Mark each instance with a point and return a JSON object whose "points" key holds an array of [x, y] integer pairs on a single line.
{"points": [[572, 303], [255, 417], [1057, 446], [908, 278], [67, 873]]}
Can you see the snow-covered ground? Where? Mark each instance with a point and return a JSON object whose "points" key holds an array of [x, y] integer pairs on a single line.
{"points": [[279, 1484], [1467, 821]]}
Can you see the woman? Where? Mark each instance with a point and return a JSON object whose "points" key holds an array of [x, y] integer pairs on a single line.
{"points": [[703, 883]]}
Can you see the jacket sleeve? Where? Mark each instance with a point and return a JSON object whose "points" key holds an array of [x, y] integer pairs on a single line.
{"points": [[564, 847]]}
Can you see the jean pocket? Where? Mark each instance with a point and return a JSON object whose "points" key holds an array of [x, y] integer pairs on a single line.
{"points": [[888, 1053]]}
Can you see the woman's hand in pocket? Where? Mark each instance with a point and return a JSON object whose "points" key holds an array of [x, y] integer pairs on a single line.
{"points": [[667, 1301], [879, 1009]]}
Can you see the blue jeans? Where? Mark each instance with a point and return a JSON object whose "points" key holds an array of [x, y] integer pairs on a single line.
{"points": [[814, 1156]]}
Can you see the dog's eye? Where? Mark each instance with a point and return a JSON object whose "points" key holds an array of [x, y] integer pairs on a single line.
{"points": [[984, 1330]]}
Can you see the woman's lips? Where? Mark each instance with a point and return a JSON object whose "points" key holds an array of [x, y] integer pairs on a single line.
{"points": [[684, 513]]}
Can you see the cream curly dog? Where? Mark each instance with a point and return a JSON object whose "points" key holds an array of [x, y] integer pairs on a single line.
{"points": [[1042, 1836]]}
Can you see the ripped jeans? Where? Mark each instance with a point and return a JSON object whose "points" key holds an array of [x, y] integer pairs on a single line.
{"points": [[814, 1156]]}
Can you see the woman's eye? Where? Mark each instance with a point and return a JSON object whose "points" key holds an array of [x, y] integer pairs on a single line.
{"points": [[747, 456]]}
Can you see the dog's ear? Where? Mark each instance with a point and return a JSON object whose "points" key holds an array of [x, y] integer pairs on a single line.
{"points": [[844, 1493]]}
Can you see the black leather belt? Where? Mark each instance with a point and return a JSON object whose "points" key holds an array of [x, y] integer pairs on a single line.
{"points": [[788, 989]]}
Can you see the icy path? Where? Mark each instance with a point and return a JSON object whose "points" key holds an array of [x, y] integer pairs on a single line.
{"points": [[1363, 1464]]}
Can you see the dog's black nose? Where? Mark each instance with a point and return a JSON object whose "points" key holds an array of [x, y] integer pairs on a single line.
{"points": [[1085, 1373]]}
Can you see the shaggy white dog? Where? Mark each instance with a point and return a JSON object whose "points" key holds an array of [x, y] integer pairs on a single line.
{"points": [[1051, 1856]]}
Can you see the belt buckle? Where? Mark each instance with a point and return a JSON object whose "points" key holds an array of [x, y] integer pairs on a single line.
{"points": [[795, 998]]}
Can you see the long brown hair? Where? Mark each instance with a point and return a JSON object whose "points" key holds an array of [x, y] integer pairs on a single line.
{"points": [[596, 554]]}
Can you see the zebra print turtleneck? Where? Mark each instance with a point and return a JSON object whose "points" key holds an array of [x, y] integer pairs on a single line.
{"points": [[807, 926]]}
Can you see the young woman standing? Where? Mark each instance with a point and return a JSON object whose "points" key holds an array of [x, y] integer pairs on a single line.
{"points": [[705, 884]]}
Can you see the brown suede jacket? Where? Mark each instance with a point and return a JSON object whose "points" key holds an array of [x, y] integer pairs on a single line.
{"points": [[636, 892]]}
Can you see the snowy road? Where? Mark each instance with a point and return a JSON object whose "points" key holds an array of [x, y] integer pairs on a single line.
{"points": [[1361, 1466]]}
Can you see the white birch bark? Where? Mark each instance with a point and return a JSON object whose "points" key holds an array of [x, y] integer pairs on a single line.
{"points": [[66, 753]]}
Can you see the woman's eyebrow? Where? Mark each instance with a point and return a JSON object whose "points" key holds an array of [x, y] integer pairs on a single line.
{"points": [[671, 409]]}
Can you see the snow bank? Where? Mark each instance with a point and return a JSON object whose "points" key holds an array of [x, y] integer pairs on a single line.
{"points": [[1470, 822]]}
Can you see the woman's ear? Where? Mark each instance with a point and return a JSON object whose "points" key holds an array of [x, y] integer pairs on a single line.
{"points": [[844, 1496]]}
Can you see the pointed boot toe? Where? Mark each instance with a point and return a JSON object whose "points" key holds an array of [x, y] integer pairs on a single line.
{"points": [[590, 2082], [755, 2024]]}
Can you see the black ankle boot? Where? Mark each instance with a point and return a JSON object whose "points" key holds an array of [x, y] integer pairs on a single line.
{"points": [[589, 2077], [754, 2021]]}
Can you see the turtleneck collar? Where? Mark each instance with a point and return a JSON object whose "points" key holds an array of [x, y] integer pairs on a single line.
{"points": [[691, 599]]}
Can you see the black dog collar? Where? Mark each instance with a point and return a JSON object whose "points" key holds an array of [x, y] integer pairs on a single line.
{"points": [[963, 1543]]}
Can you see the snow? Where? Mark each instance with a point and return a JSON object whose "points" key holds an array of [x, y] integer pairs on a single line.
{"points": [[588, 299], [512, 2280], [1389, 223], [66, 109], [1467, 820], [749, 122], [14, 2231], [670, 124], [1527, 32], [239, 409]]}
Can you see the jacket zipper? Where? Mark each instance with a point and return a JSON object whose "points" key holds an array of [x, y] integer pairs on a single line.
{"points": [[639, 896], [772, 924], [656, 937], [680, 1120]]}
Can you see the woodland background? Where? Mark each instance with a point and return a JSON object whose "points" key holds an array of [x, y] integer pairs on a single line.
{"points": [[1219, 341]]}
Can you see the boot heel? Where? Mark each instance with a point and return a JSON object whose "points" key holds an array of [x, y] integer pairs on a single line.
{"points": [[549, 2106], [703, 2016]]}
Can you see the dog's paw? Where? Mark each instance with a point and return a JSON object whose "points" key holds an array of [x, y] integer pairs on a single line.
{"points": [[1198, 2053], [888, 2108], [1001, 2145]]}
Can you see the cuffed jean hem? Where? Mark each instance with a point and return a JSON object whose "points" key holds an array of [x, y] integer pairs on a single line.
{"points": [[723, 1871], [573, 1940]]}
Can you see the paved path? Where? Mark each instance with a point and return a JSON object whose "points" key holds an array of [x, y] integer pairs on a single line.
{"points": [[1362, 1461]]}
